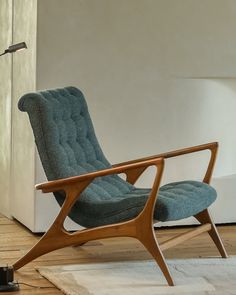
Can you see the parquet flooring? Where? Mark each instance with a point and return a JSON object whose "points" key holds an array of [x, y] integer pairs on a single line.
{"points": [[15, 240]]}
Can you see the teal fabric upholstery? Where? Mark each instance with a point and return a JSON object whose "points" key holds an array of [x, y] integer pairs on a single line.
{"points": [[67, 146]]}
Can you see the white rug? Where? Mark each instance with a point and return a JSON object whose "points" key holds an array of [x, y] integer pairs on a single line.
{"points": [[214, 276]]}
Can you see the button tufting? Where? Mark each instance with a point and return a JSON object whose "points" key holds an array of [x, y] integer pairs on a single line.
{"points": [[68, 146]]}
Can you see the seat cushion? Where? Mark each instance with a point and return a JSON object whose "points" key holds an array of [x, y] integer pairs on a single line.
{"points": [[183, 199], [175, 201]]}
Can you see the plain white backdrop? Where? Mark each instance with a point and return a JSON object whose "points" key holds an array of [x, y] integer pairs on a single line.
{"points": [[158, 75]]}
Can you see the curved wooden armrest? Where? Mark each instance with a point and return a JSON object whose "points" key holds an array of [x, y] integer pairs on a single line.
{"points": [[213, 147], [61, 184]]}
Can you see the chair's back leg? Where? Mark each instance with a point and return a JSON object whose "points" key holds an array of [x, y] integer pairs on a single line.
{"points": [[204, 217]]}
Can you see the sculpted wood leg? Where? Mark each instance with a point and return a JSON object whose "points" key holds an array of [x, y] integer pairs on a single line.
{"points": [[56, 237], [204, 217], [144, 228], [42, 247], [140, 227], [150, 242]]}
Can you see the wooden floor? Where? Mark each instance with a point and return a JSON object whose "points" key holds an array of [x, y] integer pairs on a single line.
{"points": [[15, 240]]}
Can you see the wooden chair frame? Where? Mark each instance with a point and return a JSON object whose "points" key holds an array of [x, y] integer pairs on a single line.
{"points": [[141, 227]]}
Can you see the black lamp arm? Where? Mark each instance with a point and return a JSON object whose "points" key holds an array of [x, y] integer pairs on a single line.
{"points": [[15, 47]]}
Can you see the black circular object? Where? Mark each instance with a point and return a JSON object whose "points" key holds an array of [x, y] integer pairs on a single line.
{"points": [[7, 283], [10, 287]]}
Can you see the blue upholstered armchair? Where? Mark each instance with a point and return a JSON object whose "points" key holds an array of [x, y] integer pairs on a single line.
{"points": [[90, 191]]}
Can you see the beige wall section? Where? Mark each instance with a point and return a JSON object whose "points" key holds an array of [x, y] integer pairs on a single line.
{"points": [[23, 147], [113, 51], [198, 37], [110, 50], [5, 104], [128, 57]]}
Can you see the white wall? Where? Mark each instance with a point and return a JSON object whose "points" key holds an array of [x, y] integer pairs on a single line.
{"points": [[18, 73], [129, 58], [138, 63], [5, 104], [23, 81], [135, 60]]}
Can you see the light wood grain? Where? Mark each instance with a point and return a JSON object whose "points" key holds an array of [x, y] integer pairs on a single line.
{"points": [[122, 249]]}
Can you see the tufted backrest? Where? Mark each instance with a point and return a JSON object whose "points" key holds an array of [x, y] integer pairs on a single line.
{"points": [[66, 141]]}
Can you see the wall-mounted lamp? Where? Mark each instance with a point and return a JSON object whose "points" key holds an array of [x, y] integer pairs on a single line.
{"points": [[7, 283], [15, 47]]}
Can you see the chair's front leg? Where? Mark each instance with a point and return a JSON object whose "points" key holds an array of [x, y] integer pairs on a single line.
{"points": [[144, 225], [148, 238]]}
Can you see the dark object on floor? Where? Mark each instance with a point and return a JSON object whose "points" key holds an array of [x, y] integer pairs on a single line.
{"points": [[7, 283]]}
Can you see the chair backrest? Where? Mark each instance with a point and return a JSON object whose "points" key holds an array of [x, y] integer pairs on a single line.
{"points": [[63, 132], [66, 141]]}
